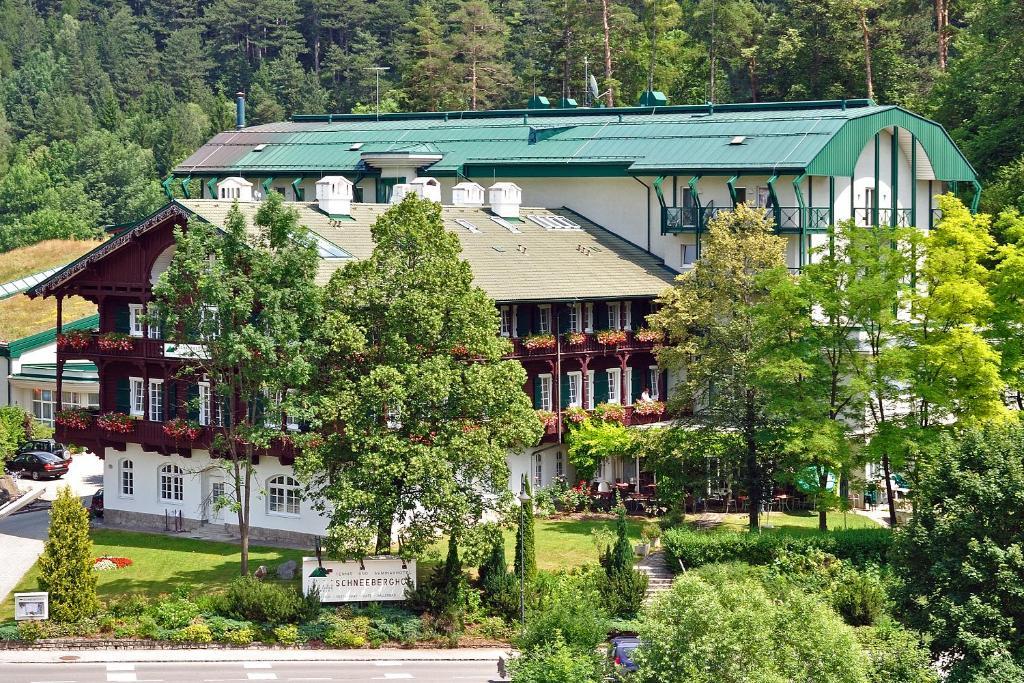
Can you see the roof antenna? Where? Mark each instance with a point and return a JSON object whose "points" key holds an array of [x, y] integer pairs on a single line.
{"points": [[377, 70]]}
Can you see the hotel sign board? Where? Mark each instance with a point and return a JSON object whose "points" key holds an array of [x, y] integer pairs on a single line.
{"points": [[369, 580]]}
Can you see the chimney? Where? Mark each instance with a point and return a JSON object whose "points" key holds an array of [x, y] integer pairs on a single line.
{"points": [[505, 199], [235, 188], [239, 110], [427, 188], [399, 191], [334, 195], [468, 193]]}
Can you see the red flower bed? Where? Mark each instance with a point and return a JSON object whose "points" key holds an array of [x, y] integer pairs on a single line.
{"points": [[74, 418], [181, 430], [116, 422], [107, 563], [76, 340], [115, 341]]}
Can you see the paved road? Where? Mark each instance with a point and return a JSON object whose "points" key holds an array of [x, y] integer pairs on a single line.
{"points": [[223, 672], [23, 533]]}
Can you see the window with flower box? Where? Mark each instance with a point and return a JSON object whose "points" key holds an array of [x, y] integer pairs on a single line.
{"points": [[542, 392], [137, 395], [156, 400], [614, 385], [614, 315], [136, 316], [652, 382]]}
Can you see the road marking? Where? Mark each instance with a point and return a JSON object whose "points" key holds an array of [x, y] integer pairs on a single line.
{"points": [[120, 667], [311, 678], [260, 676], [389, 677], [51, 682], [387, 663], [257, 665]]}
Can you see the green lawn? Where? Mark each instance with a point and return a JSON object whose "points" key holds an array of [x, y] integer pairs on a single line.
{"points": [[564, 543], [159, 563], [798, 521]]}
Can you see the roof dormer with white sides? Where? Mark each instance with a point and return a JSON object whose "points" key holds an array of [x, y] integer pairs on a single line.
{"points": [[427, 188], [334, 195], [235, 188], [468, 193], [399, 191], [505, 199]]}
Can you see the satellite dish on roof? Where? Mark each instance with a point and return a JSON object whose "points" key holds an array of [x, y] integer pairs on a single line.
{"points": [[592, 84]]}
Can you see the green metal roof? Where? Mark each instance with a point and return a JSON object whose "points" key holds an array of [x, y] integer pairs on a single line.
{"points": [[789, 137], [16, 348]]}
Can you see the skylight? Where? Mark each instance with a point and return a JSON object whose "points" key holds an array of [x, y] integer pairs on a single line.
{"points": [[505, 224], [738, 140], [553, 222], [329, 250], [260, 147], [467, 225], [355, 146]]}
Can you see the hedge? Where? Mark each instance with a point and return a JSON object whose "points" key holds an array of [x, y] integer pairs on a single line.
{"points": [[696, 548]]}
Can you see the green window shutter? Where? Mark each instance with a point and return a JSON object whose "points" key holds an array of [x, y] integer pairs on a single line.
{"points": [[563, 397], [600, 387], [600, 315], [563, 318], [536, 393], [172, 399], [523, 314], [122, 319], [225, 412], [638, 382], [123, 396], [193, 401]]}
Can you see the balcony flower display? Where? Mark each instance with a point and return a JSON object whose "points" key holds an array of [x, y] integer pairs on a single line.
{"points": [[115, 341], [611, 412], [611, 337], [649, 336], [74, 418], [119, 423], [76, 340], [547, 418], [648, 408], [539, 342], [575, 415], [576, 338], [181, 430]]}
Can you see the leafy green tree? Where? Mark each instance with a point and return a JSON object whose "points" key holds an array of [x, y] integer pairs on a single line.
{"points": [[1006, 323], [485, 77], [13, 423], [430, 81], [416, 406], [720, 331], [247, 296], [65, 567], [557, 662], [593, 440], [961, 557], [703, 632], [526, 552]]}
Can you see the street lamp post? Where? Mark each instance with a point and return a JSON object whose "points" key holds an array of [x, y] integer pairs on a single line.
{"points": [[524, 498]]}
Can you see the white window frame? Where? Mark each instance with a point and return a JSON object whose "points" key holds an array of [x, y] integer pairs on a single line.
{"points": [[207, 315], [559, 464], [653, 372], [627, 385], [283, 497], [156, 400], [153, 327], [538, 470], [574, 318], [515, 321], [136, 313], [614, 315], [126, 478], [545, 391], [205, 404], [137, 397], [544, 319], [171, 479], [505, 329], [627, 316], [589, 321], [90, 403], [590, 389], [614, 375], [42, 409], [577, 377], [687, 250]]}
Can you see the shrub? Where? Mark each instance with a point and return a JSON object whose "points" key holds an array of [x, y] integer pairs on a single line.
{"points": [[174, 612], [349, 632], [66, 563], [859, 598], [494, 628], [316, 630], [240, 636], [193, 633], [623, 592], [287, 635], [895, 655], [129, 605], [221, 626], [392, 624], [570, 605], [700, 632], [9, 632], [31, 631], [557, 662], [254, 600]]}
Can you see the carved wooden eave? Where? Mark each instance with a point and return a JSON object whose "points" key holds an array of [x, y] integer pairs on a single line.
{"points": [[48, 286]]}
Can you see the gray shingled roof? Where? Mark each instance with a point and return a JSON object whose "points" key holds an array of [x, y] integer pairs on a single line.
{"points": [[533, 264]]}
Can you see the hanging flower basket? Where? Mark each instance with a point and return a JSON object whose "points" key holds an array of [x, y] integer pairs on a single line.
{"points": [[547, 418], [115, 341], [181, 430], [575, 338], [76, 340], [648, 408], [539, 342], [649, 336], [611, 337], [74, 418], [119, 423]]}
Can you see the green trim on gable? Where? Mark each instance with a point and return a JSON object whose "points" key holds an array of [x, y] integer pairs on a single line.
{"points": [[39, 339]]}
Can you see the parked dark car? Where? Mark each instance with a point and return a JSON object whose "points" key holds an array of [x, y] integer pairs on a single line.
{"points": [[46, 446], [5, 497], [96, 505], [621, 653], [37, 464]]}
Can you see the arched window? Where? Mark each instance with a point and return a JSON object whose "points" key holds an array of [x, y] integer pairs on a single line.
{"points": [[283, 496], [126, 477], [172, 484]]}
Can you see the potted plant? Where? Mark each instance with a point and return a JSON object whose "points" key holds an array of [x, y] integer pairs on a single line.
{"points": [[74, 418], [574, 415], [649, 336], [575, 338], [75, 340], [611, 337], [118, 423], [547, 418], [651, 535], [611, 412], [539, 342], [181, 430], [648, 408]]}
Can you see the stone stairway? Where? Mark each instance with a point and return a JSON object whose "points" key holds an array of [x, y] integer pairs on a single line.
{"points": [[659, 576]]}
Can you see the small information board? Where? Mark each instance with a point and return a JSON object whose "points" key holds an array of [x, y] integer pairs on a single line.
{"points": [[31, 606], [370, 580]]}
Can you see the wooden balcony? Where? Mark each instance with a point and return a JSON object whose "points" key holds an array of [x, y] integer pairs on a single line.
{"points": [[630, 419], [588, 343], [102, 345]]}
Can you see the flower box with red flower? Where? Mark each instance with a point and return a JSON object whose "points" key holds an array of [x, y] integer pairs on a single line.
{"points": [[115, 341], [649, 336], [648, 408], [76, 340], [611, 337], [574, 415], [181, 430], [539, 342], [74, 418], [576, 338], [119, 423], [547, 418], [611, 412]]}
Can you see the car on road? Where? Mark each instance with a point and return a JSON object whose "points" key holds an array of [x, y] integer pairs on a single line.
{"points": [[96, 505], [46, 446], [620, 652], [37, 464]]}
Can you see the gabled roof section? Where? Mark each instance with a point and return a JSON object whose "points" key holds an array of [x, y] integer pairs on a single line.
{"points": [[786, 137], [16, 348]]}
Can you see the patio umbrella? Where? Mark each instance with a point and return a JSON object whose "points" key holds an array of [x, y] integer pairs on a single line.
{"points": [[807, 480]]}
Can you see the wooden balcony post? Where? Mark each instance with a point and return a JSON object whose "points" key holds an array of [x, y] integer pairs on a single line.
{"points": [[60, 358], [585, 383], [623, 364]]}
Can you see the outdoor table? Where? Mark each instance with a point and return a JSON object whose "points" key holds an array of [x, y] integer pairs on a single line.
{"points": [[783, 500]]}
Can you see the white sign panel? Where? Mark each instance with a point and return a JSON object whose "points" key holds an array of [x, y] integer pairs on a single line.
{"points": [[31, 606], [373, 579]]}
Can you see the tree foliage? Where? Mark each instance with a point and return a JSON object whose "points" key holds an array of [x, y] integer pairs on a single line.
{"points": [[65, 567]]}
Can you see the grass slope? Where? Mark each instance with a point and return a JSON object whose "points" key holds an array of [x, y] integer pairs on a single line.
{"points": [[566, 543], [21, 316], [35, 258]]}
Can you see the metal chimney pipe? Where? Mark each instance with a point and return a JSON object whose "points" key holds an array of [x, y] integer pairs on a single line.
{"points": [[239, 110]]}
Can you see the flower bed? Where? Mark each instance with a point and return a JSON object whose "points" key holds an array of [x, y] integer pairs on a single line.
{"points": [[648, 408], [575, 338], [115, 341], [107, 563], [539, 342], [181, 430], [76, 340], [611, 337], [118, 423], [647, 336], [74, 418]]}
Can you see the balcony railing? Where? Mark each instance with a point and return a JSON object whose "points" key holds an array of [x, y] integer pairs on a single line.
{"points": [[583, 342], [934, 217], [630, 419], [788, 219], [865, 216], [103, 344]]}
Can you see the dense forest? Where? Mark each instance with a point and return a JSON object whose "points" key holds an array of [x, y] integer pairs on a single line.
{"points": [[99, 99]]}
